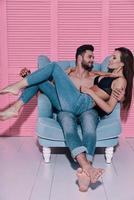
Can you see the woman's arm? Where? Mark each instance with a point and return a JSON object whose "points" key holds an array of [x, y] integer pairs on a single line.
{"points": [[107, 106], [101, 73]]}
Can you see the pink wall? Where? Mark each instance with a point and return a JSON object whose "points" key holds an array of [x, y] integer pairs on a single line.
{"points": [[29, 28]]}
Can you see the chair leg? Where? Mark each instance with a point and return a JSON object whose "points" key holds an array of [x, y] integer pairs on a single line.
{"points": [[46, 154], [109, 154]]}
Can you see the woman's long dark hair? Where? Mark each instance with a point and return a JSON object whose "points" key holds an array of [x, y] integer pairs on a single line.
{"points": [[128, 72]]}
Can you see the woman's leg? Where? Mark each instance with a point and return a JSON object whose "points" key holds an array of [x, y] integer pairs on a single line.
{"points": [[47, 88], [67, 92], [28, 93], [25, 97]]}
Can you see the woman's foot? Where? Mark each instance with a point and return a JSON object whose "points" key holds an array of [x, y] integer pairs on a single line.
{"points": [[94, 173], [83, 180], [10, 89], [12, 111], [8, 113], [15, 88]]}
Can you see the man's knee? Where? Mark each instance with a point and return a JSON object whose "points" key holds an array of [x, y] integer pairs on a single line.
{"points": [[89, 120], [90, 115], [65, 116], [67, 120]]}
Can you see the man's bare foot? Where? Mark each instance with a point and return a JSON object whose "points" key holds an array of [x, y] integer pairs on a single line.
{"points": [[8, 113], [10, 89], [94, 173], [83, 180]]}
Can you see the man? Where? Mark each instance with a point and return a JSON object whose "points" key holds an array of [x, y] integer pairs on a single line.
{"points": [[82, 149]]}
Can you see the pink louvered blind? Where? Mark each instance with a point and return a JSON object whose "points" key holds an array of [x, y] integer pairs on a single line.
{"points": [[29, 28], [28, 35], [78, 22], [0, 41], [121, 33]]}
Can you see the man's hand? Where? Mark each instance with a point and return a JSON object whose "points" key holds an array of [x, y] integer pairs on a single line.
{"points": [[86, 90], [118, 94], [24, 72]]}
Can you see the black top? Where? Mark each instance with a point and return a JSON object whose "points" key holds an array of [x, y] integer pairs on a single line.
{"points": [[105, 83]]}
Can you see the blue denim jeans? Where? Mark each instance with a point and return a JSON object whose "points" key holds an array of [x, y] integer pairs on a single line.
{"points": [[70, 98], [88, 121], [47, 88]]}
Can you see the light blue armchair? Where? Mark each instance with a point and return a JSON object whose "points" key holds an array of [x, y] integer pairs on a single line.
{"points": [[50, 133]]}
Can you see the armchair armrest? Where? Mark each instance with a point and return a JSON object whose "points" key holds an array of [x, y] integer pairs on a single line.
{"points": [[44, 106], [115, 114]]}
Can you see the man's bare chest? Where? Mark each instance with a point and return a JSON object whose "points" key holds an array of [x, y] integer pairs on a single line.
{"points": [[83, 81]]}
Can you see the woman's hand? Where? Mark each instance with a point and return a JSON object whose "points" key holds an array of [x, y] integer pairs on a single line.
{"points": [[118, 94], [24, 72]]}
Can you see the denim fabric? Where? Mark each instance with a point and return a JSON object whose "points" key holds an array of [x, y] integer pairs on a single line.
{"points": [[29, 92], [69, 96], [88, 121]]}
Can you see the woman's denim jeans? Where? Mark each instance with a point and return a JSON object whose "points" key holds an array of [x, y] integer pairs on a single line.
{"points": [[88, 121], [64, 96]]}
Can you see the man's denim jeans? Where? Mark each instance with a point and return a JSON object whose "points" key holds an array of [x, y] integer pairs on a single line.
{"points": [[88, 121]]}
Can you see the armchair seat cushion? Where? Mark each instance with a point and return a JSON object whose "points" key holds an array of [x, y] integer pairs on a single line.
{"points": [[50, 129]]}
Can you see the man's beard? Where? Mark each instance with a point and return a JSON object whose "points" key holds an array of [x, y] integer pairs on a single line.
{"points": [[87, 66]]}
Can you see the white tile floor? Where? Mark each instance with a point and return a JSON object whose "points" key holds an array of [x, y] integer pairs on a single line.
{"points": [[25, 176]]}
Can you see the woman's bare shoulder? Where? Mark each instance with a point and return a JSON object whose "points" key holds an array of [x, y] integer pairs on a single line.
{"points": [[120, 82]]}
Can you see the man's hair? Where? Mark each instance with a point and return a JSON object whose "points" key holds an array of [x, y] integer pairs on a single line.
{"points": [[80, 50]]}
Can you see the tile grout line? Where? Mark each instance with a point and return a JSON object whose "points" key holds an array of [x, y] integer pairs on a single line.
{"points": [[34, 182], [130, 146], [114, 168], [52, 178], [105, 190]]}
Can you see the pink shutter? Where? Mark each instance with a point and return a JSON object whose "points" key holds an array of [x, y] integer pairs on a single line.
{"points": [[29, 32], [79, 22], [121, 33], [29, 28]]}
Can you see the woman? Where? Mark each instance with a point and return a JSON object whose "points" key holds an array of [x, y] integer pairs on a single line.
{"points": [[72, 100]]}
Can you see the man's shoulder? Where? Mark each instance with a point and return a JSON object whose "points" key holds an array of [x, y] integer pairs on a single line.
{"points": [[69, 70]]}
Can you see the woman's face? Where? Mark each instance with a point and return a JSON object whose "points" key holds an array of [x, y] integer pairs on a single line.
{"points": [[115, 60]]}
